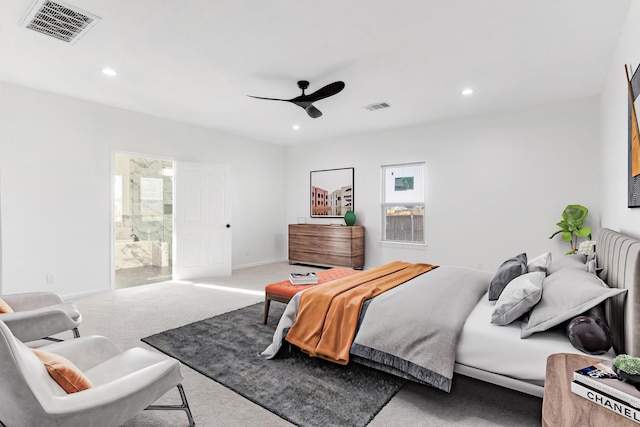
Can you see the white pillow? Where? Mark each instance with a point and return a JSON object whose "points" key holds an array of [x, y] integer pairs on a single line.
{"points": [[540, 263], [518, 297]]}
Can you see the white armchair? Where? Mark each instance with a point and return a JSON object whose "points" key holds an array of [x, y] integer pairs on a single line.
{"points": [[39, 315], [124, 383]]}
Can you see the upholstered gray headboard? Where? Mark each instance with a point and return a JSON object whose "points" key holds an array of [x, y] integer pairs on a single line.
{"points": [[619, 258]]}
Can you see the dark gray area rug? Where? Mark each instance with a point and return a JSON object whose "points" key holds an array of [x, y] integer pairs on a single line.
{"points": [[303, 390]]}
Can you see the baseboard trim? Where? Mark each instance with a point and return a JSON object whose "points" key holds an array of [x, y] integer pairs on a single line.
{"points": [[84, 294], [256, 264]]}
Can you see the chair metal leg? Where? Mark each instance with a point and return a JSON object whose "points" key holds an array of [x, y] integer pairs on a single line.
{"points": [[76, 334], [183, 407]]}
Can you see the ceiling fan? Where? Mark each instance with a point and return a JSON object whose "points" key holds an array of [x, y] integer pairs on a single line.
{"points": [[306, 101]]}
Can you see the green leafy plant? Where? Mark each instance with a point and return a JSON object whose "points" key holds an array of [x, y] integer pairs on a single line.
{"points": [[571, 226], [627, 364]]}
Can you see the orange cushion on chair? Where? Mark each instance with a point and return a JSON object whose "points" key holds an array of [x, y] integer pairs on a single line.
{"points": [[286, 289], [65, 373], [4, 307]]}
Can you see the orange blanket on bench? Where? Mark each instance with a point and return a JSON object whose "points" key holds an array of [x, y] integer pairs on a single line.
{"points": [[328, 314]]}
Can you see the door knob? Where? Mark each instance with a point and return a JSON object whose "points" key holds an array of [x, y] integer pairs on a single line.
{"points": [[228, 225]]}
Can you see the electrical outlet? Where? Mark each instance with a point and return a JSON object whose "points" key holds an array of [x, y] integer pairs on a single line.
{"points": [[50, 278]]}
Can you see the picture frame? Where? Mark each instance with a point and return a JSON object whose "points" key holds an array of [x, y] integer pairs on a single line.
{"points": [[331, 192], [633, 102]]}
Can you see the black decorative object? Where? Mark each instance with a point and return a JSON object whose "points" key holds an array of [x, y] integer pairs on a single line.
{"points": [[589, 333], [630, 378]]}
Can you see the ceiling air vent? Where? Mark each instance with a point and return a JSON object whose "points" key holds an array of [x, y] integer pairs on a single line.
{"points": [[377, 106], [59, 20]]}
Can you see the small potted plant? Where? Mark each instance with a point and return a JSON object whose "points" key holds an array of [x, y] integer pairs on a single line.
{"points": [[627, 368], [571, 226]]}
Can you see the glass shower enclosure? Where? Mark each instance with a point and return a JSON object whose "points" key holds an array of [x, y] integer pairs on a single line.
{"points": [[143, 202]]}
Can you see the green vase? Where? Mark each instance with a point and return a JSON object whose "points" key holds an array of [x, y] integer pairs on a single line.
{"points": [[350, 218]]}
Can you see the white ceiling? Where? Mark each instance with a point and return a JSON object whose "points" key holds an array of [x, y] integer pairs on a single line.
{"points": [[196, 60]]}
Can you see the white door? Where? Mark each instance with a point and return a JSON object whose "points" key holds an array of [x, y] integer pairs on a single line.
{"points": [[202, 221]]}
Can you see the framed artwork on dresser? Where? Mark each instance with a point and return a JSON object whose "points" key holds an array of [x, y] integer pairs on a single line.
{"points": [[331, 192]]}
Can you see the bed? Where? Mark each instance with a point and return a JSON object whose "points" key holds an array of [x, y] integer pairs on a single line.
{"points": [[437, 323]]}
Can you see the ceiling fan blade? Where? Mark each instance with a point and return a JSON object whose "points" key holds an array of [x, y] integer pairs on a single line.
{"points": [[305, 101], [270, 99], [313, 112], [325, 92]]}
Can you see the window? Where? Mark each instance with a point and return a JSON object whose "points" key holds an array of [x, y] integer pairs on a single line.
{"points": [[403, 200], [151, 205]]}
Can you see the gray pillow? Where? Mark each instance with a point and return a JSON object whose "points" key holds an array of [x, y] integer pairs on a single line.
{"points": [[566, 294], [518, 297], [568, 261], [509, 270]]}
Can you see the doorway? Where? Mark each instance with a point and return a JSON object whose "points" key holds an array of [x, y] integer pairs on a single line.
{"points": [[143, 220]]}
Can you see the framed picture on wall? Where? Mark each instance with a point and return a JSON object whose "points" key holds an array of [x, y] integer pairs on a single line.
{"points": [[633, 138], [331, 192]]}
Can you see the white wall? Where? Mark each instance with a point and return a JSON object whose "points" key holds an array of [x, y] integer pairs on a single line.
{"points": [[614, 123], [55, 157], [496, 184]]}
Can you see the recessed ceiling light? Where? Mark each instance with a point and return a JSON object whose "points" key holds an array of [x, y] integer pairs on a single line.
{"points": [[295, 127], [468, 91], [109, 72]]}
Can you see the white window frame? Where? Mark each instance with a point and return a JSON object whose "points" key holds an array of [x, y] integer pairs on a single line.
{"points": [[415, 196], [151, 196]]}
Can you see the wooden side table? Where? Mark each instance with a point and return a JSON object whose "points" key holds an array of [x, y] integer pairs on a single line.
{"points": [[563, 408]]}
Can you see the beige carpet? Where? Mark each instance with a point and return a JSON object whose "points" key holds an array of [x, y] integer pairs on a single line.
{"points": [[126, 315]]}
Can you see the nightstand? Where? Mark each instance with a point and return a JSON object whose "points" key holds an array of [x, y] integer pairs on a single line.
{"points": [[562, 408]]}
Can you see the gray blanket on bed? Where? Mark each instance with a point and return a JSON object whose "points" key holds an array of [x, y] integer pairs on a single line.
{"points": [[411, 330], [421, 322]]}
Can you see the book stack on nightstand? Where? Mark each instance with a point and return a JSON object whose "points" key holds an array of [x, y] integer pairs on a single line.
{"points": [[601, 385]]}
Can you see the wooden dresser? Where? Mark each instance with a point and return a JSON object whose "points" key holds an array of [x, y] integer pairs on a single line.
{"points": [[326, 245]]}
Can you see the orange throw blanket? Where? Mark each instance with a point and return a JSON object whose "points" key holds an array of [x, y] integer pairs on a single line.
{"points": [[328, 314]]}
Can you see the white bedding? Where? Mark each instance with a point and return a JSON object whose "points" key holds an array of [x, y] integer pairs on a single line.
{"points": [[500, 350]]}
